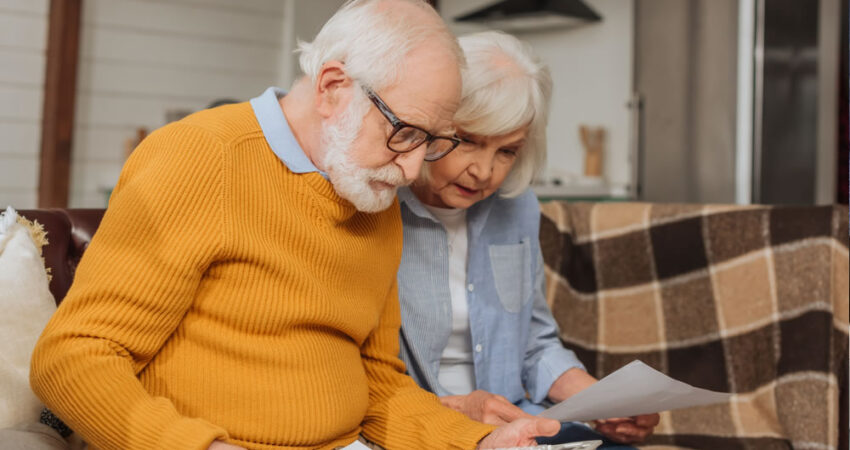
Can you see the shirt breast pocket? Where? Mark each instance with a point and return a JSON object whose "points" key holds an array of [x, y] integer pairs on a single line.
{"points": [[511, 265]]}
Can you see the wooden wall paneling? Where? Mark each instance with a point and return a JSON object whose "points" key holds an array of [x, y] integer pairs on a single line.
{"points": [[59, 96], [175, 19]]}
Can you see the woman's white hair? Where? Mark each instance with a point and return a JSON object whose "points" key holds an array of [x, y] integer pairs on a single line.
{"points": [[505, 87], [372, 40]]}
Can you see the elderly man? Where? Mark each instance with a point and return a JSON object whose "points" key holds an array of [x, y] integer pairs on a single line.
{"points": [[241, 289]]}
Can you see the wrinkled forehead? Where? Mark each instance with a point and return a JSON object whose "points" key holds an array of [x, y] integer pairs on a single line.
{"points": [[428, 89]]}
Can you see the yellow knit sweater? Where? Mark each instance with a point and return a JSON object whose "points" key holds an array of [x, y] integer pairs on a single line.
{"points": [[225, 297]]}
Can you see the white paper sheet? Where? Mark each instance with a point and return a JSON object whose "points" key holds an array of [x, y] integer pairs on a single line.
{"points": [[356, 445], [631, 390]]}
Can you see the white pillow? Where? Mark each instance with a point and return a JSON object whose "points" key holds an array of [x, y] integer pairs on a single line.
{"points": [[26, 305]]}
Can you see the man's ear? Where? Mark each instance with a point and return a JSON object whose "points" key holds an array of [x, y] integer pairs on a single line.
{"points": [[332, 89]]}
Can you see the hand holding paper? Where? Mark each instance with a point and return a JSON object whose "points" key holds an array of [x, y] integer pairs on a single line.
{"points": [[631, 390]]}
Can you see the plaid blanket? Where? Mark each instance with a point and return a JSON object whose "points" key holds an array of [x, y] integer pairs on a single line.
{"points": [[745, 299]]}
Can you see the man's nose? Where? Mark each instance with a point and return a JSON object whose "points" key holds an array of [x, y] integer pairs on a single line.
{"points": [[411, 162]]}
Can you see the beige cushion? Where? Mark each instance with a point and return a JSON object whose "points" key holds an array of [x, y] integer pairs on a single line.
{"points": [[32, 436], [27, 304]]}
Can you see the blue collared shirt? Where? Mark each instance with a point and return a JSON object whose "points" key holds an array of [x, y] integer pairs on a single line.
{"points": [[514, 336], [278, 134]]}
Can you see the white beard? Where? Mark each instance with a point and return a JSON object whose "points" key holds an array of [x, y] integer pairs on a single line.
{"points": [[351, 181]]}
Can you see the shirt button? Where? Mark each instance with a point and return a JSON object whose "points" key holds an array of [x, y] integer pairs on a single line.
{"points": [[478, 348], [470, 287]]}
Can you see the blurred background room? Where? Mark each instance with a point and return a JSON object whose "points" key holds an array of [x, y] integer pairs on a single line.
{"points": [[699, 101]]}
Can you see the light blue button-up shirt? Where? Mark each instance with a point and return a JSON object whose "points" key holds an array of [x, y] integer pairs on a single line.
{"points": [[278, 134], [514, 336]]}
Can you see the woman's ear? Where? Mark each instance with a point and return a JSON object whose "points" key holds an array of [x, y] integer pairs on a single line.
{"points": [[332, 89]]}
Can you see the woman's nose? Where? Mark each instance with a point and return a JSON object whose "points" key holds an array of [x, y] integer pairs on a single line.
{"points": [[481, 166]]}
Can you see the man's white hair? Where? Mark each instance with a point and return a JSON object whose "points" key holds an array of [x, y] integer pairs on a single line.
{"points": [[505, 87], [372, 40]]}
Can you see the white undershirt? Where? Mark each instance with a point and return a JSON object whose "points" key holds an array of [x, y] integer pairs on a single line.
{"points": [[457, 372]]}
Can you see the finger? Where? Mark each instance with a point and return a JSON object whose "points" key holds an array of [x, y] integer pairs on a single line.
{"points": [[647, 420], [642, 432], [502, 399], [623, 438], [631, 433], [626, 428], [493, 419], [607, 429], [506, 411], [543, 427], [617, 433], [511, 412], [619, 420], [618, 438]]}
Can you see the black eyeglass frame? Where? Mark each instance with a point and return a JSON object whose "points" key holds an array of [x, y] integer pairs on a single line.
{"points": [[398, 124]]}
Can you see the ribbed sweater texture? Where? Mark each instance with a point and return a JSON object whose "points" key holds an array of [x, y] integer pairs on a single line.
{"points": [[225, 297]]}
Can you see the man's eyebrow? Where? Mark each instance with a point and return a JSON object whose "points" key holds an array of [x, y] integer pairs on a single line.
{"points": [[446, 131]]}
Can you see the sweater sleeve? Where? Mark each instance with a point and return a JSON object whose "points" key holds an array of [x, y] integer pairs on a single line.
{"points": [[401, 414], [138, 278]]}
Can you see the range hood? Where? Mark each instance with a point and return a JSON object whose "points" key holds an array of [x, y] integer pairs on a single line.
{"points": [[528, 15]]}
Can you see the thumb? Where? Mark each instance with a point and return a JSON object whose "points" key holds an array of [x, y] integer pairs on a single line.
{"points": [[510, 413], [545, 427]]}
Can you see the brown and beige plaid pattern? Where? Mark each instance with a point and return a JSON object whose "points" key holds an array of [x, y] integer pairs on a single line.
{"points": [[745, 299]]}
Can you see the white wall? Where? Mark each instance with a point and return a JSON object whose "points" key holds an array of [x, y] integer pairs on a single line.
{"points": [[23, 37], [142, 58], [591, 66], [592, 71], [309, 16]]}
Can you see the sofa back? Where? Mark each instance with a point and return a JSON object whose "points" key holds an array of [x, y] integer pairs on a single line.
{"points": [[745, 299], [684, 288], [69, 232]]}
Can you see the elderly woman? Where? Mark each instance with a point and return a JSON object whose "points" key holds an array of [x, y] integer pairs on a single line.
{"points": [[476, 329]]}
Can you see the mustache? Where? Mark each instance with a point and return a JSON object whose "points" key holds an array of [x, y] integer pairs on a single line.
{"points": [[390, 174]]}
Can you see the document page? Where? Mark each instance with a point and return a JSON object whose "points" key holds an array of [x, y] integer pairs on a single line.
{"points": [[631, 390], [356, 445]]}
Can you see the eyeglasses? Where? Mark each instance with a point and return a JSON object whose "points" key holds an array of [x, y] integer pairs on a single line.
{"points": [[406, 137]]}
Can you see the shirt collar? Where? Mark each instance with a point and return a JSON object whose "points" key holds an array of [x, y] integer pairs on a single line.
{"points": [[476, 215], [278, 134], [407, 197]]}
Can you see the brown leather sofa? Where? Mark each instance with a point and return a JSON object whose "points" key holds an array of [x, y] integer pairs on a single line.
{"points": [[69, 232], [813, 241]]}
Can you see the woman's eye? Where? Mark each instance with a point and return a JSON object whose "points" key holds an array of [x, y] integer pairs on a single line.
{"points": [[507, 152]]}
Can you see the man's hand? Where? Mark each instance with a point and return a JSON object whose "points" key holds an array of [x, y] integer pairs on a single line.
{"points": [[219, 445], [484, 407], [630, 430], [520, 433]]}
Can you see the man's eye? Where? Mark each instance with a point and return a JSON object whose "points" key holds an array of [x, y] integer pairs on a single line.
{"points": [[467, 144]]}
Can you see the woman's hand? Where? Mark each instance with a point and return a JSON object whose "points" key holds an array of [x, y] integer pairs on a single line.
{"points": [[629, 430], [485, 407], [570, 383]]}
